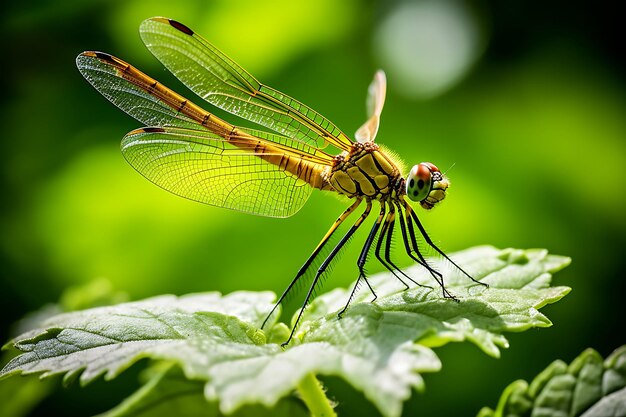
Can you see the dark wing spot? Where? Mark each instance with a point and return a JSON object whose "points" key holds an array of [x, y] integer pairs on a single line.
{"points": [[153, 129], [420, 184], [411, 183], [103, 56], [181, 27]]}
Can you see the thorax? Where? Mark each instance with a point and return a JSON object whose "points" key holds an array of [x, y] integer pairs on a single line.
{"points": [[365, 171]]}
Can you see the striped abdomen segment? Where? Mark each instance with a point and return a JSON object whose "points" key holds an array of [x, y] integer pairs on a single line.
{"points": [[164, 94], [301, 160], [285, 158]]}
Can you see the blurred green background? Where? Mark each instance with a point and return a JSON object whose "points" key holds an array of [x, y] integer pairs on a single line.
{"points": [[525, 99]]}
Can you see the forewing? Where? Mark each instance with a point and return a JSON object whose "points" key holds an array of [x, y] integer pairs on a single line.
{"points": [[219, 80], [104, 72], [196, 155], [375, 102], [205, 167]]}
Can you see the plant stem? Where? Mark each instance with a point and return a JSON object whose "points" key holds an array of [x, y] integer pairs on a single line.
{"points": [[313, 395]]}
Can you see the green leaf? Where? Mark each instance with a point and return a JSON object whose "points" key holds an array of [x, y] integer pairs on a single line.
{"points": [[613, 405], [168, 392], [20, 395], [95, 293], [588, 387], [380, 348], [192, 330], [519, 285]]}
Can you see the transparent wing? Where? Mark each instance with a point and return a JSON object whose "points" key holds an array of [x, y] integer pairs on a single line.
{"points": [[130, 93], [216, 78], [205, 167], [375, 102], [196, 155]]}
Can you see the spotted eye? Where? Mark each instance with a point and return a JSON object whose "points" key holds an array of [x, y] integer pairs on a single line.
{"points": [[419, 182]]}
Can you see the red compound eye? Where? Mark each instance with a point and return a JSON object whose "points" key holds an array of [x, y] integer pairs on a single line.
{"points": [[423, 172], [432, 167]]}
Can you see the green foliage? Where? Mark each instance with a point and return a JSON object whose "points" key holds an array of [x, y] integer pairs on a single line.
{"points": [[588, 387], [21, 395], [380, 348], [167, 392]]}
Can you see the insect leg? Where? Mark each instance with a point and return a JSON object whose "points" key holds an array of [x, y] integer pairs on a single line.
{"points": [[326, 263], [413, 247], [411, 212], [379, 245], [313, 255], [392, 219], [363, 258]]}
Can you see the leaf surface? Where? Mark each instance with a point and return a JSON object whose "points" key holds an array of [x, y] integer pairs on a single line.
{"points": [[588, 387], [380, 348]]}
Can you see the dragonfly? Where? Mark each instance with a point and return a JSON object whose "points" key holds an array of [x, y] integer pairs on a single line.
{"points": [[192, 153]]}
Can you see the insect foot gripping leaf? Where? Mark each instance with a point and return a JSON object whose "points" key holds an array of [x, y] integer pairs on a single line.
{"points": [[588, 387], [380, 348]]}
